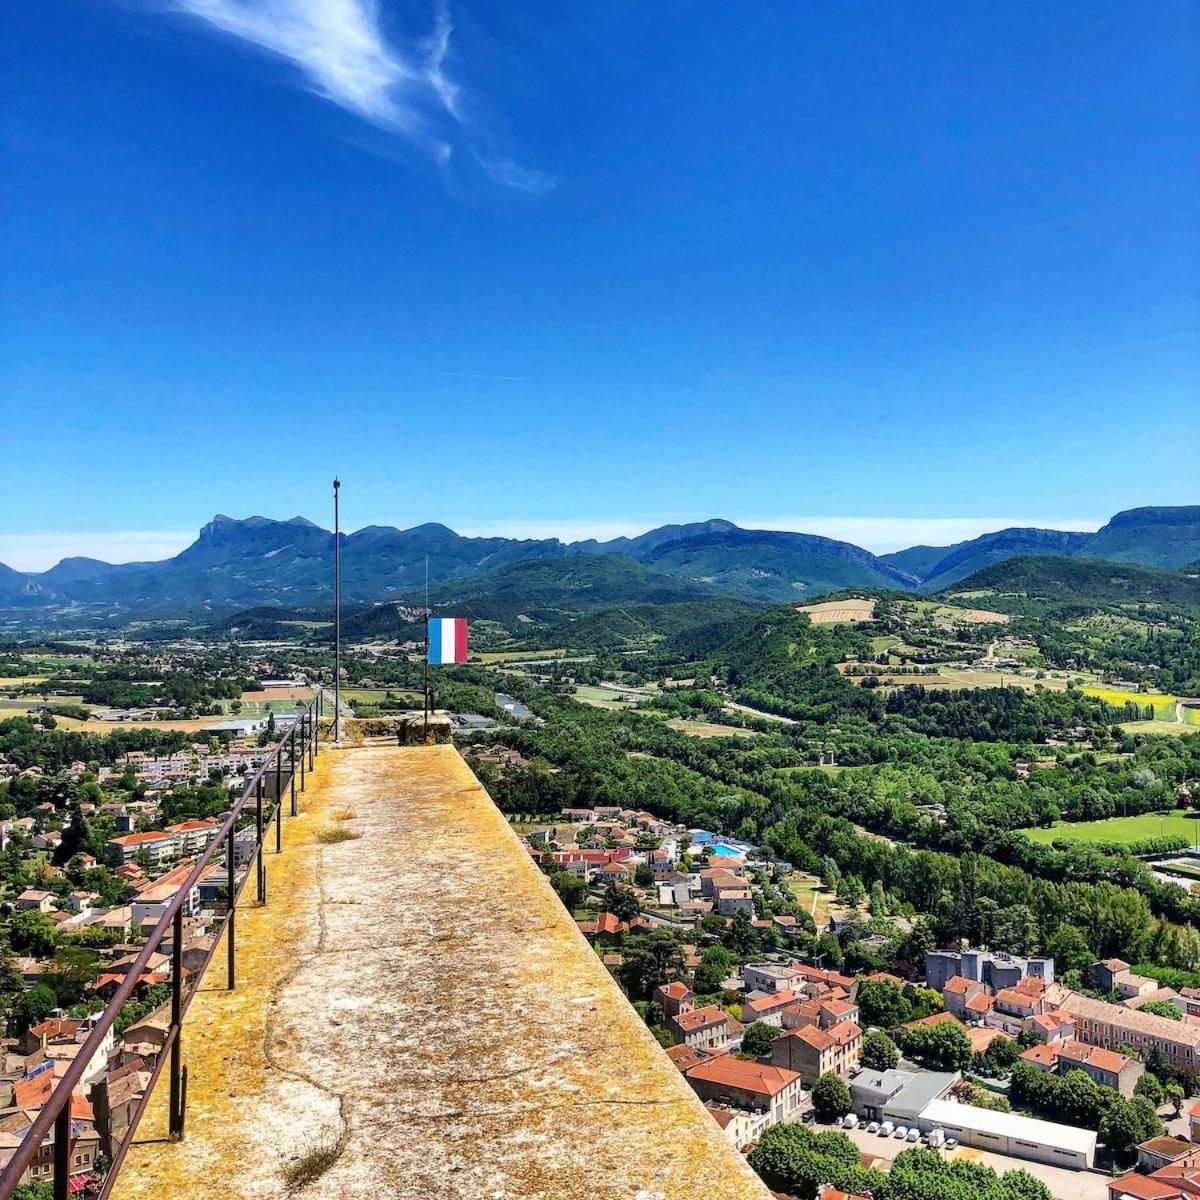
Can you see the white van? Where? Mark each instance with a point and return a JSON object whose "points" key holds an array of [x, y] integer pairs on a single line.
{"points": [[885, 1130], [936, 1138], [851, 1122]]}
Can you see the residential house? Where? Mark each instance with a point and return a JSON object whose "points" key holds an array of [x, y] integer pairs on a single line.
{"points": [[1107, 1067], [708, 1028], [758, 1087], [812, 1051], [741, 1126], [33, 899], [958, 992], [731, 901], [768, 1008], [1160, 1152], [674, 998]]}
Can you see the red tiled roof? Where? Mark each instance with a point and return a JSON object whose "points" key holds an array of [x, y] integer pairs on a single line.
{"points": [[728, 1071], [1141, 1187], [701, 1018], [1045, 1056]]}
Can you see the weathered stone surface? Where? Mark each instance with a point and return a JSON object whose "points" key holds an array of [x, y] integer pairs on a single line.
{"points": [[419, 999]]}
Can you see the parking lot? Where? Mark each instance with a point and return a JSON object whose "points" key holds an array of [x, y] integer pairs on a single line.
{"points": [[1063, 1184]]}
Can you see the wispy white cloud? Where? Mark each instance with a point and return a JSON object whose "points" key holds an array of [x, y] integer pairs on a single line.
{"points": [[345, 56], [40, 551]]}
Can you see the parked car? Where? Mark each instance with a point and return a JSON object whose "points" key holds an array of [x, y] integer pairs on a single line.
{"points": [[914, 1135], [809, 1117], [850, 1121], [901, 1132], [950, 1143], [873, 1127], [885, 1130]]}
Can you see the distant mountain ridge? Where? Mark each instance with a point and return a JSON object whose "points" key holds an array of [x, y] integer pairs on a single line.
{"points": [[1165, 537], [261, 561]]}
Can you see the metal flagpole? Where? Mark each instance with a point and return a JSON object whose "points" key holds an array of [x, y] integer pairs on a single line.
{"points": [[426, 665], [337, 614]]}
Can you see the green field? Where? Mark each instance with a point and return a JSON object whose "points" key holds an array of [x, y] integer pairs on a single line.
{"points": [[363, 696], [261, 708], [1159, 728], [1122, 829], [707, 729], [599, 697]]}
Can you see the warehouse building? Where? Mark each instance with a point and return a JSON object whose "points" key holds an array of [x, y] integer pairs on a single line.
{"points": [[1008, 1133]]}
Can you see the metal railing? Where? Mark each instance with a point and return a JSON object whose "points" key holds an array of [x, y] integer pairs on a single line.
{"points": [[286, 767]]}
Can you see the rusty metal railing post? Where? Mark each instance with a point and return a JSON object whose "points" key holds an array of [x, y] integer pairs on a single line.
{"points": [[261, 862], [292, 767], [175, 1113], [279, 798], [312, 741], [303, 748], [62, 1152], [231, 886]]}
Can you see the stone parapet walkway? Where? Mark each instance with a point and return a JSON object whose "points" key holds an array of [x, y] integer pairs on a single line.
{"points": [[416, 1005]]}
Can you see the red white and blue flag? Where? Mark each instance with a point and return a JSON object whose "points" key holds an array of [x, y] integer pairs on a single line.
{"points": [[447, 639]]}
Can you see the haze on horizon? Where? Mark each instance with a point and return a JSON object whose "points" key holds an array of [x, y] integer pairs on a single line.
{"points": [[879, 274]]}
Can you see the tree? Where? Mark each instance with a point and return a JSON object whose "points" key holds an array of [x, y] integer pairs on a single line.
{"points": [[33, 1191], [570, 888], [649, 959], [758, 1038], [1150, 1087], [1163, 1008], [830, 1097], [1127, 1123], [33, 1006], [1174, 1094], [622, 902], [879, 1052], [943, 1047], [32, 932], [797, 1159], [715, 964], [644, 875], [883, 1004]]}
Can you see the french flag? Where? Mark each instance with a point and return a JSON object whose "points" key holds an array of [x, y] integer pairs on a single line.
{"points": [[447, 639]]}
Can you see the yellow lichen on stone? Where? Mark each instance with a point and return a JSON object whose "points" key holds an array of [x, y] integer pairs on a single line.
{"points": [[420, 998]]}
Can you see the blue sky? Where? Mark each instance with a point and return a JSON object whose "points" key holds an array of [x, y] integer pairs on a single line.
{"points": [[889, 272]]}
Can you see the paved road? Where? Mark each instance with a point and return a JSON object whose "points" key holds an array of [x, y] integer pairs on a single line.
{"points": [[1063, 1184]]}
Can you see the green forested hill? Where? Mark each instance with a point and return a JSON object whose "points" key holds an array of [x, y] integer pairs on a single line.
{"points": [[1081, 582]]}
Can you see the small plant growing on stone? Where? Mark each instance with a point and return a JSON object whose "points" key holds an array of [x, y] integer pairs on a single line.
{"points": [[332, 834], [309, 1166]]}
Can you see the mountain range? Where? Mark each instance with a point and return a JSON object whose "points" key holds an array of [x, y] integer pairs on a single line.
{"points": [[259, 561]]}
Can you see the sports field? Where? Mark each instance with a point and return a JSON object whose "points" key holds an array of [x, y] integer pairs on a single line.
{"points": [[1123, 829]]}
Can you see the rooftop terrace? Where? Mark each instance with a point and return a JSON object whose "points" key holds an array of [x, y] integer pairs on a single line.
{"points": [[418, 1002]]}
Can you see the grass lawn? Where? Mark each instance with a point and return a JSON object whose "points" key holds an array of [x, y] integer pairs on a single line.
{"points": [[1169, 728], [261, 708], [812, 895], [1122, 829], [706, 729], [380, 695], [599, 697], [495, 656]]}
